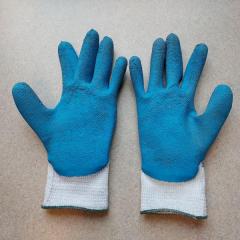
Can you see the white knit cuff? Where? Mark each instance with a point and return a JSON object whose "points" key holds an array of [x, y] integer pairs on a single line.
{"points": [[185, 198], [85, 192]]}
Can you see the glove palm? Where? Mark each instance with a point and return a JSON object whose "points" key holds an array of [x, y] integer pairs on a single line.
{"points": [[174, 139], [77, 133]]}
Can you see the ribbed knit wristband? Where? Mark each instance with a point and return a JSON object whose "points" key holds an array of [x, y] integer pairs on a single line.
{"points": [[186, 198], [85, 192]]}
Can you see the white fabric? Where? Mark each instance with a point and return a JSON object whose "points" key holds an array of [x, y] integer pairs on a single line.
{"points": [[86, 192], [187, 198]]}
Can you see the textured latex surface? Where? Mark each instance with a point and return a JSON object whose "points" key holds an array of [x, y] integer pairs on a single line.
{"points": [[77, 133], [174, 139]]}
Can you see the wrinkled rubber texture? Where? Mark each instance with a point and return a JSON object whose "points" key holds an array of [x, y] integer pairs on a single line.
{"points": [[174, 139], [77, 133]]}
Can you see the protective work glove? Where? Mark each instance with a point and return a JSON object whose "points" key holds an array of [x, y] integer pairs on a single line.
{"points": [[174, 139], [77, 133]]}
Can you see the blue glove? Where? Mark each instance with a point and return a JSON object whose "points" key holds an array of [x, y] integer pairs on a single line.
{"points": [[77, 133], [174, 139]]}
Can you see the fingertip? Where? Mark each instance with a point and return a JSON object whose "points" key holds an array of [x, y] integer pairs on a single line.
{"points": [[225, 91], [93, 34], [220, 103], [20, 91], [63, 45], [158, 46], [134, 61], [19, 87], [202, 49], [122, 60], [118, 74], [158, 41], [91, 39], [107, 42], [107, 39], [224, 88], [172, 37], [106, 45], [202, 46]]}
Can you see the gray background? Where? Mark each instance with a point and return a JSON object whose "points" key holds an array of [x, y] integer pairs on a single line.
{"points": [[29, 34]]}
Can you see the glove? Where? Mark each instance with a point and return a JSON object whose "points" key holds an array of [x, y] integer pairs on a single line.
{"points": [[77, 133], [174, 139]]}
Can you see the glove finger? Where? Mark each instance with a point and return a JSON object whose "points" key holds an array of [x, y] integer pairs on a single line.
{"points": [[118, 74], [174, 65], [157, 64], [30, 106], [218, 109], [104, 62], [136, 73], [194, 68], [68, 60], [87, 57]]}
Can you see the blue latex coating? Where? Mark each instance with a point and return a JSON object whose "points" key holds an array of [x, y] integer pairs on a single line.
{"points": [[174, 139], [77, 133]]}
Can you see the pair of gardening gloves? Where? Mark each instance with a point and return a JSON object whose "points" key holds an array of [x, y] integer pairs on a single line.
{"points": [[77, 134]]}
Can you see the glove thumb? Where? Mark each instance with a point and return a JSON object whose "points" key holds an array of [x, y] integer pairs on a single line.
{"points": [[217, 109], [30, 106]]}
